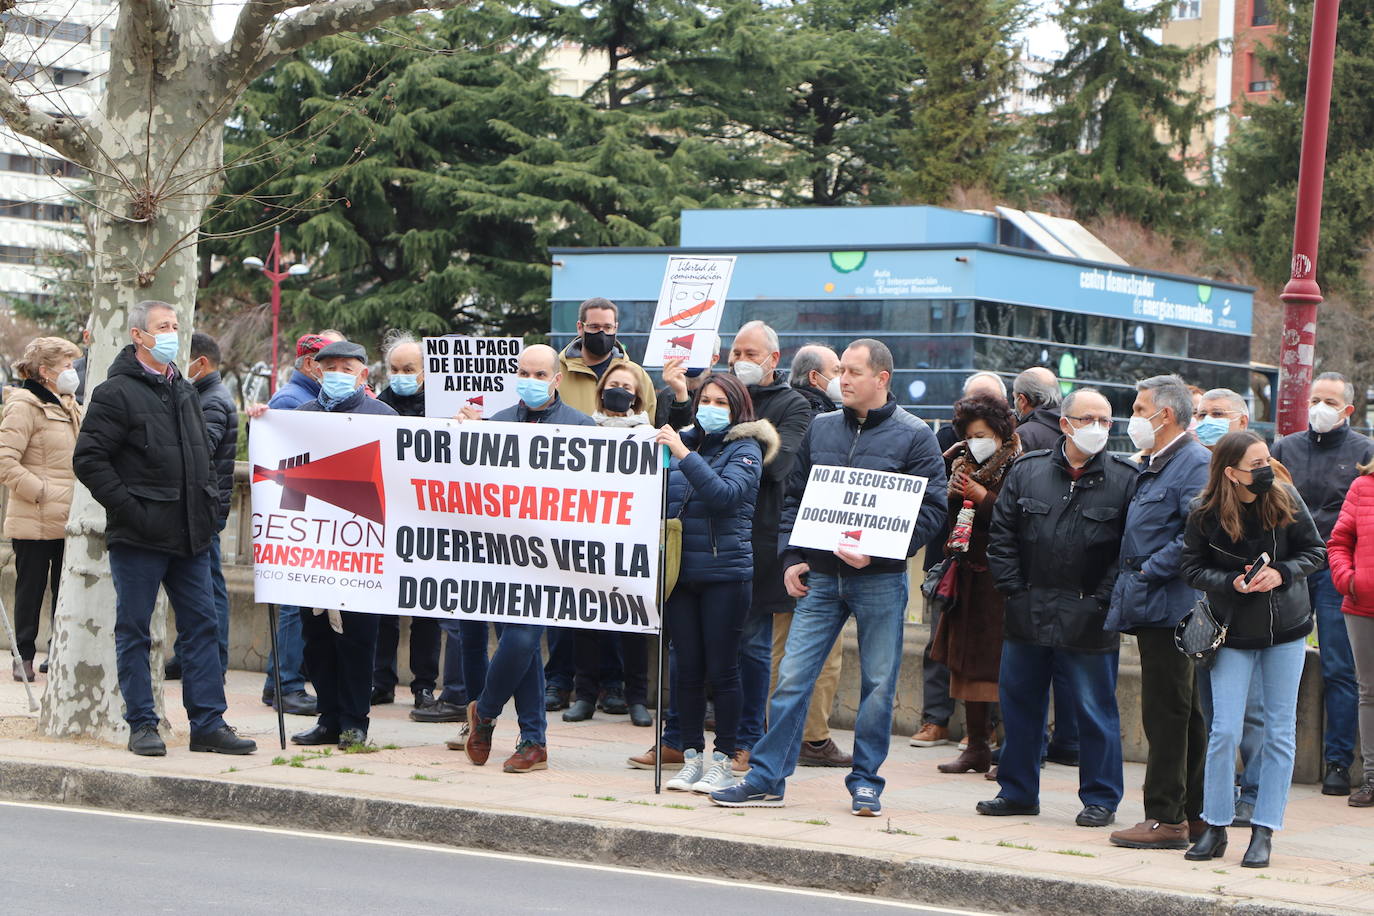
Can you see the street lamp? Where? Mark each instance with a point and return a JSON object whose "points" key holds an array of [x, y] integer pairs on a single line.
{"points": [[272, 271], [1302, 295]]}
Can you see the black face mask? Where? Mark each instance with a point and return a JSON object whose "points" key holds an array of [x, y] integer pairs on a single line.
{"points": [[1261, 480], [598, 343], [617, 400]]}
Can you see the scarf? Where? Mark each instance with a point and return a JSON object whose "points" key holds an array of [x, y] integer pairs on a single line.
{"points": [[990, 472], [627, 422]]}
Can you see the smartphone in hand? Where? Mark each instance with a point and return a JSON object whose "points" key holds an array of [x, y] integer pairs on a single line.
{"points": [[1260, 563]]}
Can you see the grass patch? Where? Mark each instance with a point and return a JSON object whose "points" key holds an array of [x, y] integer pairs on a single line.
{"points": [[579, 795], [897, 830], [298, 762], [684, 807], [232, 770], [421, 777], [735, 813], [356, 772], [605, 798], [1010, 845], [391, 747], [361, 748], [647, 804], [1074, 852], [1220, 871], [952, 839], [278, 761], [817, 821]]}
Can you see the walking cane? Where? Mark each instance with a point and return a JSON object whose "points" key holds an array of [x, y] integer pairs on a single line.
{"points": [[14, 651], [276, 674]]}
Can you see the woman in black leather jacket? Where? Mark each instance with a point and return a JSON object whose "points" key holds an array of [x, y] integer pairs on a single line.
{"points": [[1241, 515]]}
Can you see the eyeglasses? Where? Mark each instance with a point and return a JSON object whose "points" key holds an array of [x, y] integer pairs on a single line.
{"points": [[597, 328], [1104, 422], [1215, 413]]}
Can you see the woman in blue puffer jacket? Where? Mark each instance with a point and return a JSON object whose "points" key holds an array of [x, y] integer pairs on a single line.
{"points": [[712, 487]]}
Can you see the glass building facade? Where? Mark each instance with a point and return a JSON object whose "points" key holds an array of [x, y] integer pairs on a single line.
{"points": [[946, 307]]}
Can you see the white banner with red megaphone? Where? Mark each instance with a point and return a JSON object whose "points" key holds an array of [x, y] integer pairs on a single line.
{"points": [[691, 304], [508, 522]]}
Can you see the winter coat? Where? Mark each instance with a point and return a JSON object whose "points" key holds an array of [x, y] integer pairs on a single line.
{"points": [[578, 387], [1151, 591], [888, 439], [946, 438], [1212, 560], [820, 401], [1053, 548], [1352, 556], [357, 402], [405, 405], [1040, 429], [1323, 466], [144, 454], [298, 390], [560, 414], [714, 490], [37, 436], [968, 640], [790, 414], [222, 432]]}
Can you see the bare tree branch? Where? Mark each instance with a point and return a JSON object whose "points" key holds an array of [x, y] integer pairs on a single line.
{"points": [[320, 20], [62, 134], [252, 31]]}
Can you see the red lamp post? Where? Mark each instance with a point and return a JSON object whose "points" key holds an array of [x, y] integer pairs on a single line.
{"points": [[272, 271], [1302, 295]]}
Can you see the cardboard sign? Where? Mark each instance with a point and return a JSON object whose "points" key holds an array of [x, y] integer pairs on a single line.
{"points": [[522, 523], [690, 305], [474, 372], [868, 512]]}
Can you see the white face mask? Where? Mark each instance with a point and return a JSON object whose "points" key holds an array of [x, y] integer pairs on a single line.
{"points": [[1090, 439], [1323, 417], [747, 372], [67, 381], [1142, 431], [981, 449], [832, 390]]}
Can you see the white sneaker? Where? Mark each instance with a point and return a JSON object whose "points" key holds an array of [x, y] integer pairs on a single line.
{"points": [[719, 776], [689, 775]]}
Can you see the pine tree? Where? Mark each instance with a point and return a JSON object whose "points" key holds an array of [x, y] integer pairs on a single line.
{"points": [[1112, 92]]}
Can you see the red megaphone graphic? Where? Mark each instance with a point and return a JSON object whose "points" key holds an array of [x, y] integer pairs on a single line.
{"points": [[852, 535], [477, 400], [351, 480], [683, 342]]}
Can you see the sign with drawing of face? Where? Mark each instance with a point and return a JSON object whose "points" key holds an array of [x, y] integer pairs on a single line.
{"points": [[690, 305]]}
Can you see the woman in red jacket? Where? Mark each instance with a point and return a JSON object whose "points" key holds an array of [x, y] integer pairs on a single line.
{"points": [[1351, 555]]}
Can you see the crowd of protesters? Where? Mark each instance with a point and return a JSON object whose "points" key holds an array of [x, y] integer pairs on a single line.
{"points": [[1044, 548]]}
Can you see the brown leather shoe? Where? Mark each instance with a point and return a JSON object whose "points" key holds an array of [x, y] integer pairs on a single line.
{"points": [[930, 735], [1363, 797], [740, 765], [1153, 835], [528, 757], [477, 743], [672, 759], [23, 671], [972, 760], [827, 755]]}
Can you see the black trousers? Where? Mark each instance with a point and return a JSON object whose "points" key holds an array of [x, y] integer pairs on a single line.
{"points": [[602, 658], [37, 567], [425, 638], [1174, 728], [341, 667]]}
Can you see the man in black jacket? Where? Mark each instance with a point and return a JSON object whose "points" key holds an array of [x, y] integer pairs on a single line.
{"points": [[1052, 551], [1035, 394], [144, 455], [872, 433]]}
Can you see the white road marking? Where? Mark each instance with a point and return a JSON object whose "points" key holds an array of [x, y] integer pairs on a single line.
{"points": [[503, 856]]}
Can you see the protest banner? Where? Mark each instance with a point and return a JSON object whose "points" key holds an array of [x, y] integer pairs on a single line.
{"points": [[868, 512], [690, 305], [476, 372], [507, 522]]}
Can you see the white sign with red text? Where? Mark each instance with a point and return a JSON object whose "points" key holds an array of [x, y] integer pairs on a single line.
{"points": [[868, 512]]}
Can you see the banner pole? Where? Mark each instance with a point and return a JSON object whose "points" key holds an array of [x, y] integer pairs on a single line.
{"points": [[662, 629], [276, 674]]}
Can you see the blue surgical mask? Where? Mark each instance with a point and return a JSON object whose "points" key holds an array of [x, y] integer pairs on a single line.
{"points": [[712, 418], [165, 347], [532, 391], [336, 386], [1210, 430], [405, 385]]}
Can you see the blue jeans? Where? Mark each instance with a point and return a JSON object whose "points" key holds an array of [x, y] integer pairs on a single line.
{"points": [[465, 660], [1251, 738], [755, 671], [1279, 669], [878, 605], [516, 671], [290, 651], [1341, 693], [560, 668], [672, 733], [137, 574], [705, 622], [1024, 690], [221, 601], [1065, 739]]}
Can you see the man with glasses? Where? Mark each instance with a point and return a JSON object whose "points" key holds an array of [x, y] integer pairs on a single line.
{"points": [[1150, 598], [586, 359], [1052, 550]]}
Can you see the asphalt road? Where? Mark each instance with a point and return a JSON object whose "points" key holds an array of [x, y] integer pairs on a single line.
{"points": [[57, 860]]}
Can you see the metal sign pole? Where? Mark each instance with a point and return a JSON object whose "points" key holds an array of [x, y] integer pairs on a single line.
{"points": [[276, 674], [662, 630]]}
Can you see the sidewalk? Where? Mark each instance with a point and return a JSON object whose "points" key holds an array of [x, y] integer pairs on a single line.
{"points": [[929, 845]]}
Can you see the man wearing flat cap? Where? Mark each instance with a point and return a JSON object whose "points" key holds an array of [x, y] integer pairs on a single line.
{"points": [[340, 645]]}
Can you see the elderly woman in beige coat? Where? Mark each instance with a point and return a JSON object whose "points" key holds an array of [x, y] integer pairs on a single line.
{"points": [[37, 437]]}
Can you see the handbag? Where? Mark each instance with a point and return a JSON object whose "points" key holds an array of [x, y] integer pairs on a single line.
{"points": [[672, 554], [941, 585], [1199, 635]]}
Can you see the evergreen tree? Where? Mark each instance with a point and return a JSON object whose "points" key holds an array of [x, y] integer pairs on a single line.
{"points": [[961, 135], [1113, 92]]}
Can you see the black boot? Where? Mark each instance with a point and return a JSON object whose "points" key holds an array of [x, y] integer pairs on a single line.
{"points": [[1261, 840], [1211, 845]]}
